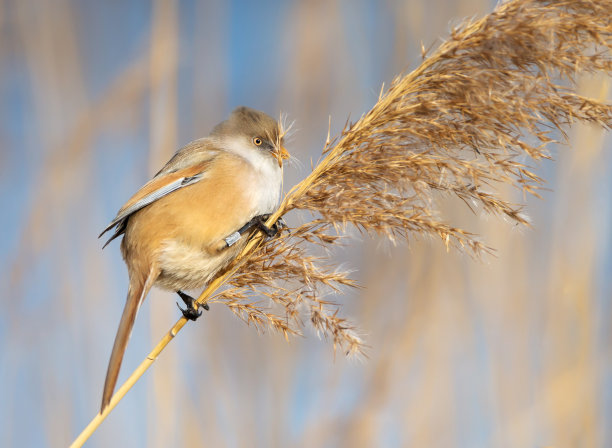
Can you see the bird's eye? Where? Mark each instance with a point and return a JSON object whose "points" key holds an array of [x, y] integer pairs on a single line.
{"points": [[257, 141]]}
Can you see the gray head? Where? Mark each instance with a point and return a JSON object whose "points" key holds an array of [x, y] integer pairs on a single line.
{"points": [[254, 129]]}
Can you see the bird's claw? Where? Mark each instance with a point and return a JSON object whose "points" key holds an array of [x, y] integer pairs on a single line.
{"points": [[191, 311], [274, 229]]}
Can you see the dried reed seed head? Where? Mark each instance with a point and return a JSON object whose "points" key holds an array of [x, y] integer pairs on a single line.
{"points": [[456, 124], [498, 90]]}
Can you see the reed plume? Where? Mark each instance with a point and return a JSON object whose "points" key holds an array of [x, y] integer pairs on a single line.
{"points": [[496, 93]]}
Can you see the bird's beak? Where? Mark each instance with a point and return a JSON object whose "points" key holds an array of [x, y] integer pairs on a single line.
{"points": [[281, 155]]}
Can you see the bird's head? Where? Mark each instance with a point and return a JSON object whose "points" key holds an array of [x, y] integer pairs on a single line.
{"points": [[253, 130]]}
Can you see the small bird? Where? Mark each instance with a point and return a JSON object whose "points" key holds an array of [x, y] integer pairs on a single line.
{"points": [[187, 223]]}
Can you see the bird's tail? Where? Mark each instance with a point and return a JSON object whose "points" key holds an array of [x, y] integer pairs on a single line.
{"points": [[137, 291]]}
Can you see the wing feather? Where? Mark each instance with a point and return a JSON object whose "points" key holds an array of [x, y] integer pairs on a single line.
{"points": [[179, 172], [139, 200]]}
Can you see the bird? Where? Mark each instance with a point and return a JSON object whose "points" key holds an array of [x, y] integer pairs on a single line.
{"points": [[191, 219]]}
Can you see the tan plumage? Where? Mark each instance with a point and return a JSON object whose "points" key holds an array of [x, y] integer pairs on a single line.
{"points": [[175, 226]]}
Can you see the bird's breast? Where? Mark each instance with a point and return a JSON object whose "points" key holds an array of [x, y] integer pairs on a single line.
{"points": [[267, 177], [266, 190]]}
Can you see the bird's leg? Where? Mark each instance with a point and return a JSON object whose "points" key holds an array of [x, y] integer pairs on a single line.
{"points": [[260, 223], [191, 312]]}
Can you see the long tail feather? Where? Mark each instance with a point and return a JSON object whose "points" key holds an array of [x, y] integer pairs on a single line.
{"points": [[138, 290]]}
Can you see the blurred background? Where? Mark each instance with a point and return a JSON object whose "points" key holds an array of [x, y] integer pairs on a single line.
{"points": [[510, 351]]}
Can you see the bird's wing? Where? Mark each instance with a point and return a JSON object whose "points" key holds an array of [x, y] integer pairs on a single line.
{"points": [[202, 150], [185, 168]]}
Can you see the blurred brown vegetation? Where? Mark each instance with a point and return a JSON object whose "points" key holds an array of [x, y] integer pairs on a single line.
{"points": [[510, 351]]}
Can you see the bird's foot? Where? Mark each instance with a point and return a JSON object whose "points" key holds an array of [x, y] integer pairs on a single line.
{"points": [[280, 225], [258, 222], [191, 311], [271, 231]]}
